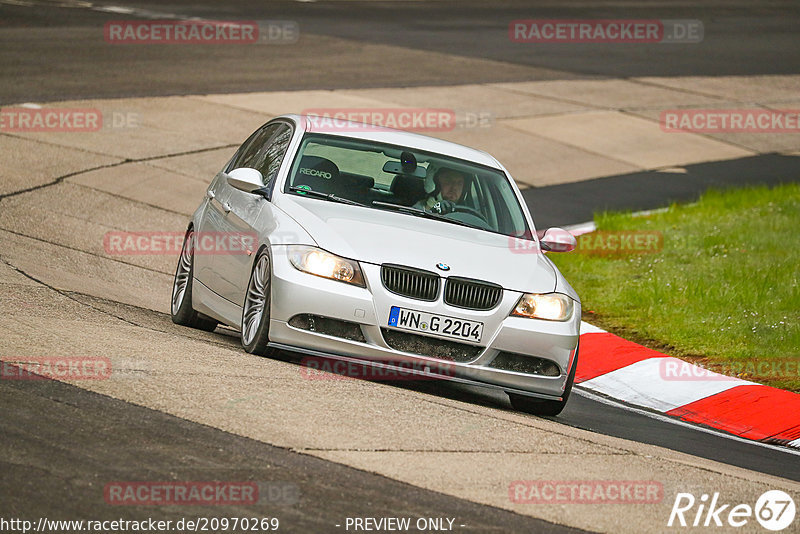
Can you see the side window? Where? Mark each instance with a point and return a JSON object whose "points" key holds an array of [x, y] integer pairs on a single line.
{"points": [[270, 155], [249, 149]]}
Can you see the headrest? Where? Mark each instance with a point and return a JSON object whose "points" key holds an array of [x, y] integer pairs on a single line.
{"points": [[317, 167], [408, 189], [349, 180]]}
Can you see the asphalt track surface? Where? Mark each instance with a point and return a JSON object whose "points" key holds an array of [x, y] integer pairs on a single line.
{"points": [[53, 53], [77, 440], [575, 203], [57, 53]]}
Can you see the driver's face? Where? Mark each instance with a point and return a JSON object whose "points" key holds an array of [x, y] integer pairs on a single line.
{"points": [[452, 185]]}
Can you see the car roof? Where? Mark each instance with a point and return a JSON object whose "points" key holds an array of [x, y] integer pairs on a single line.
{"points": [[352, 129]]}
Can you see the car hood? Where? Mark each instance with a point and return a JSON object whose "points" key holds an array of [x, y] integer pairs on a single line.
{"points": [[380, 236]]}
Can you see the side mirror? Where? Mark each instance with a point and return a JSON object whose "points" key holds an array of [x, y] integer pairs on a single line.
{"points": [[245, 179], [558, 240]]}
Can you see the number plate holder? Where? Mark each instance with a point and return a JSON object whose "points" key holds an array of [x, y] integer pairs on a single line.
{"points": [[436, 324]]}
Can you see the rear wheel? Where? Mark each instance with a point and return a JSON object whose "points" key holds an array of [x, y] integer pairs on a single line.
{"points": [[256, 309], [531, 405], [181, 308]]}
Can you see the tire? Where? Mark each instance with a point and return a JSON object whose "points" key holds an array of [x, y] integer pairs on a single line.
{"points": [[181, 305], [256, 307], [531, 405]]}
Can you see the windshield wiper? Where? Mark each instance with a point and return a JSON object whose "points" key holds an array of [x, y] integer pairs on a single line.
{"points": [[325, 196], [419, 213]]}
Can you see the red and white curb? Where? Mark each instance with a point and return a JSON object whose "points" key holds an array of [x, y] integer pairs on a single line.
{"points": [[645, 378], [637, 376]]}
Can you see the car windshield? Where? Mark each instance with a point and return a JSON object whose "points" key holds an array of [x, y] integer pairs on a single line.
{"points": [[409, 181]]}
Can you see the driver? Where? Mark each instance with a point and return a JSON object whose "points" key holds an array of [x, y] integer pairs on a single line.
{"points": [[449, 191]]}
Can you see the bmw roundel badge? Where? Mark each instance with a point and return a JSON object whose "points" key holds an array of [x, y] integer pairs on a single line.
{"points": [[443, 266]]}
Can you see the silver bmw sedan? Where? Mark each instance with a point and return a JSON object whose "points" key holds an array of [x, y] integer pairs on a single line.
{"points": [[384, 248]]}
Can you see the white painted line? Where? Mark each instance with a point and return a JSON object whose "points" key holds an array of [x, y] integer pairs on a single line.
{"points": [[586, 227], [580, 229], [587, 328], [115, 9], [675, 421], [795, 443], [673, 170], [645, 213], [646, 383]]}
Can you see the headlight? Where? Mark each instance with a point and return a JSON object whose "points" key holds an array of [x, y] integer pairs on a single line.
{"points": [[316, 261], [551, 306]]}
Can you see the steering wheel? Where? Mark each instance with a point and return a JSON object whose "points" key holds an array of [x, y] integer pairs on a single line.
{"points": [[470, 211]]}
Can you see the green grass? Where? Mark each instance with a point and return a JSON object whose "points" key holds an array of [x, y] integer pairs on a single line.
{"points": [[724, 291]]}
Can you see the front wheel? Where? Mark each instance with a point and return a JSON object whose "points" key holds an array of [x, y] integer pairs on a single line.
{"points": [[256, 309], [181, 307], [531, 405]]}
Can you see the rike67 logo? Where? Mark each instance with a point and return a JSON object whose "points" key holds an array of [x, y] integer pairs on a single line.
{"points": [[775, 510]]}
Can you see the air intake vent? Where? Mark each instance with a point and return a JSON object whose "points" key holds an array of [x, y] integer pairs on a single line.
{"points": [[409, 282], [330, 327], [472, 294], [431, 346], [521, 363]]}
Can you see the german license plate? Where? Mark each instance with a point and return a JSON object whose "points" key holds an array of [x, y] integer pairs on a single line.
{"points": [[433, 323]]}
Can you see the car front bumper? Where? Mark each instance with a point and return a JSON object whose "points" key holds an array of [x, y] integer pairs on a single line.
{"points": [[296, 293]]}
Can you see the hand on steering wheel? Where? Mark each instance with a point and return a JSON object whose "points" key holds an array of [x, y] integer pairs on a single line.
{"points": [[443, 207]]}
